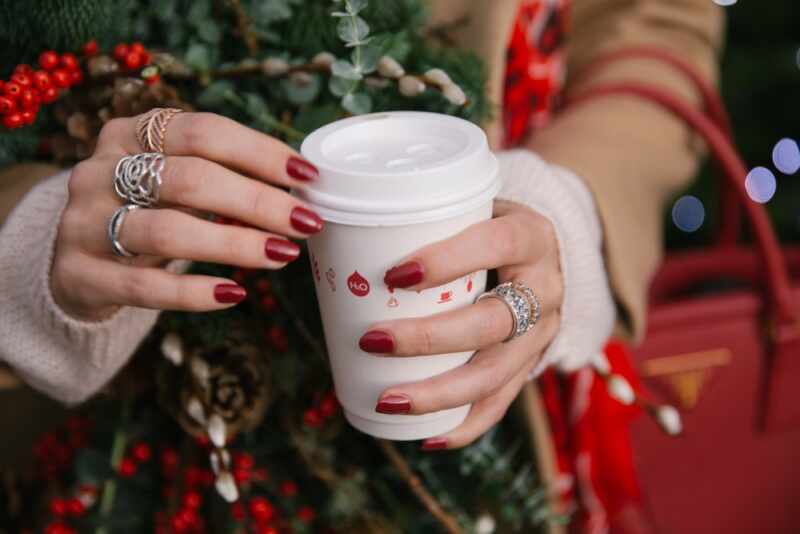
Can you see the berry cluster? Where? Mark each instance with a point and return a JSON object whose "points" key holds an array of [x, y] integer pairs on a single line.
{"points": [[324, 409], [140, 453], [65, 509], [132, 56], [22, 95], [55, 450]]}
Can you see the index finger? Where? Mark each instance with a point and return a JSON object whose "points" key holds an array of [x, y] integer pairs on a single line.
{"points": [[220, 139]]}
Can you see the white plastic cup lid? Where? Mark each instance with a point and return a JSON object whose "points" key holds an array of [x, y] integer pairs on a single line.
{"points": [[399, 167]]}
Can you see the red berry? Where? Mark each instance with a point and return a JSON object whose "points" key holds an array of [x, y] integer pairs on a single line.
{"points": [[244, 460], [261, 509], [192, 499], [127, 467], [12, 90], [75, 507], [76, 77], [241, 476], [269, 303], [152, 80], [120, 51], [23, 68], [260, 474], [178, 524], [29, 99], [2, 85], [312, 418], [277, 337], [61, 78], [56, 528], [90, 48], [146, 58], [41, 80], [69, 61], [48, 60], [238, 512], [58, 507], [28, 116], [167, 492], [203, 441], [169, 461], [7, 105], [329, 405], [136, 47], [13, 120], [263, 285], [142, 451], [133, 60], [288, 488], [23, 79], [266, 529], [49, 95], [306, 514]]}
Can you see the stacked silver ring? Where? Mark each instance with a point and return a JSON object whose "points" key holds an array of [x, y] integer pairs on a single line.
{"points": [[137, 178], [523, 304], [115, 225]]}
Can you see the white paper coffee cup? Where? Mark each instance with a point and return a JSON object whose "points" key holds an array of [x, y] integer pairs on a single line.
{"points": [[389, 184]]}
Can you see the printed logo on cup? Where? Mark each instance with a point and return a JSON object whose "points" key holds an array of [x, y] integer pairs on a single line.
{"points": [[359, 286]]}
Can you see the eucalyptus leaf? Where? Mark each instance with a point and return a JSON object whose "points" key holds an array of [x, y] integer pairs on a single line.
{"points": [[352, 29], [215, 94], [254, 105], [163, 9], [355, 6], [198, 56], [209, 31], [200, 11], [310, 118], [341, 86], [339, 14], [344, 69], [357, 103], [366, 57], [301, 94]]}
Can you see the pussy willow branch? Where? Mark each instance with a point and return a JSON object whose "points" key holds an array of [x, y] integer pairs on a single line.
{"points": [[244, 26], [417, 487]]}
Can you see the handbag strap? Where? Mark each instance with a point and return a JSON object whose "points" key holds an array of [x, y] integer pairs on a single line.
{"points": [[734, 171], [731, 213]]}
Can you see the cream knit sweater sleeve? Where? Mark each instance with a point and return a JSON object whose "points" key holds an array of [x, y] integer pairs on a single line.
{"points": [[61, 356]]}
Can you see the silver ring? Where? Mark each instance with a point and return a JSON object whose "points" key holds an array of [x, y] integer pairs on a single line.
{"points": [[523, 304], [114, 227], [137, 179]]}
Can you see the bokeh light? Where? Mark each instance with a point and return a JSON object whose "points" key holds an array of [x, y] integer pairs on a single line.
{"points": [[760, 184], [725, 3], [688, 213], [786, 156]]}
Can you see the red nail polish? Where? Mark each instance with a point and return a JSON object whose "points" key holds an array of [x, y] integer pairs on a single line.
{"points": [[228, 293], [405, 275], [281, 250], [300, 169], [377, 341], [393, 404], [305, 221], [434, 444]]}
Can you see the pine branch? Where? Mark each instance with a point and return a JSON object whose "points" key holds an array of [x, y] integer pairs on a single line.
{"points": [[417, 487]]}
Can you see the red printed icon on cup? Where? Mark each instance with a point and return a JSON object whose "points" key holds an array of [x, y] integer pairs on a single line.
{"points": [[330, 275], [359, 286], [445, 296]]}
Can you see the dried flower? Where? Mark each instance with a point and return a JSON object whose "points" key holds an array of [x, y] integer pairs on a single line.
{"points": [[101, 66], [323, 60], [454, 94], [274, 66], [411, 86], [485, 524], [390, 68]]}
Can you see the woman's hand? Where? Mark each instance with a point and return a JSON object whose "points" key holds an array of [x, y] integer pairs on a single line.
{"points": [[521, 245], [213, 166]]}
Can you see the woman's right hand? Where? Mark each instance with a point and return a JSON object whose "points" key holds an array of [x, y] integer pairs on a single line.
{"points": [[213, 165]]}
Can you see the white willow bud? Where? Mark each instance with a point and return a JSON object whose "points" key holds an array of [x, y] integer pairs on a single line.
{"points": [[196, 411], [220, 458], [600, 364], [376, 82], [172, 348], [323, 59], [216, 430], [200, 370], [411, 86], [300, 78], [620, 389], [390, 68], [485, 524], [226, 487], [274, 66], [669, 419], [438, 77], [454, 94]]}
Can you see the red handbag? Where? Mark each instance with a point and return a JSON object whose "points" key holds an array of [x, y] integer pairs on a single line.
{"points": [[729, 360]]}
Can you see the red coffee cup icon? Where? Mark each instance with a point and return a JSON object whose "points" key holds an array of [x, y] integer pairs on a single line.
{"points": [[359, 286], [446, 296]]}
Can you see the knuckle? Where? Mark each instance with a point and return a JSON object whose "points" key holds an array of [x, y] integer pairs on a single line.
{"points": [[80, 179], [197, 128], [183, 179], [112, 132], [493, 327]]}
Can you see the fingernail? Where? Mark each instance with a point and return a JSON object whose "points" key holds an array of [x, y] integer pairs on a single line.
{"points": [[405, 275], [281, 250], [300, 169], [228, 293], [305, 221], [376, 341], [434, 444], [393, 404]]}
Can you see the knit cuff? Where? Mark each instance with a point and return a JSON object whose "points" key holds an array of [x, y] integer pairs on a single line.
{"points": [[587, 311], [62, 356]]}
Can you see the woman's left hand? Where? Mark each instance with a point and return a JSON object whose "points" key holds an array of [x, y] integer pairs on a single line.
{"points": [[522, 246]]}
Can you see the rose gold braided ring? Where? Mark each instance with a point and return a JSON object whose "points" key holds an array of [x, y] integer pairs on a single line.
{"points": [[151, 128]]}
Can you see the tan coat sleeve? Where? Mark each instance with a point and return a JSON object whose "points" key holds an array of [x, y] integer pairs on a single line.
{"points": [[631, 153]]}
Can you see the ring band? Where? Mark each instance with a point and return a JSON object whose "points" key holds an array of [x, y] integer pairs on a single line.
{"points": [[523, 304], [151, 128], [137, 178], [114, 227]]}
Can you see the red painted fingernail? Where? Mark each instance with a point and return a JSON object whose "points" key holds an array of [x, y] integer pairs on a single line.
{"points": [[228, 293], [305, 221], [404, 275], [281, 250], [434, 444], [376, 341], [393, 404], [300, 169]]}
